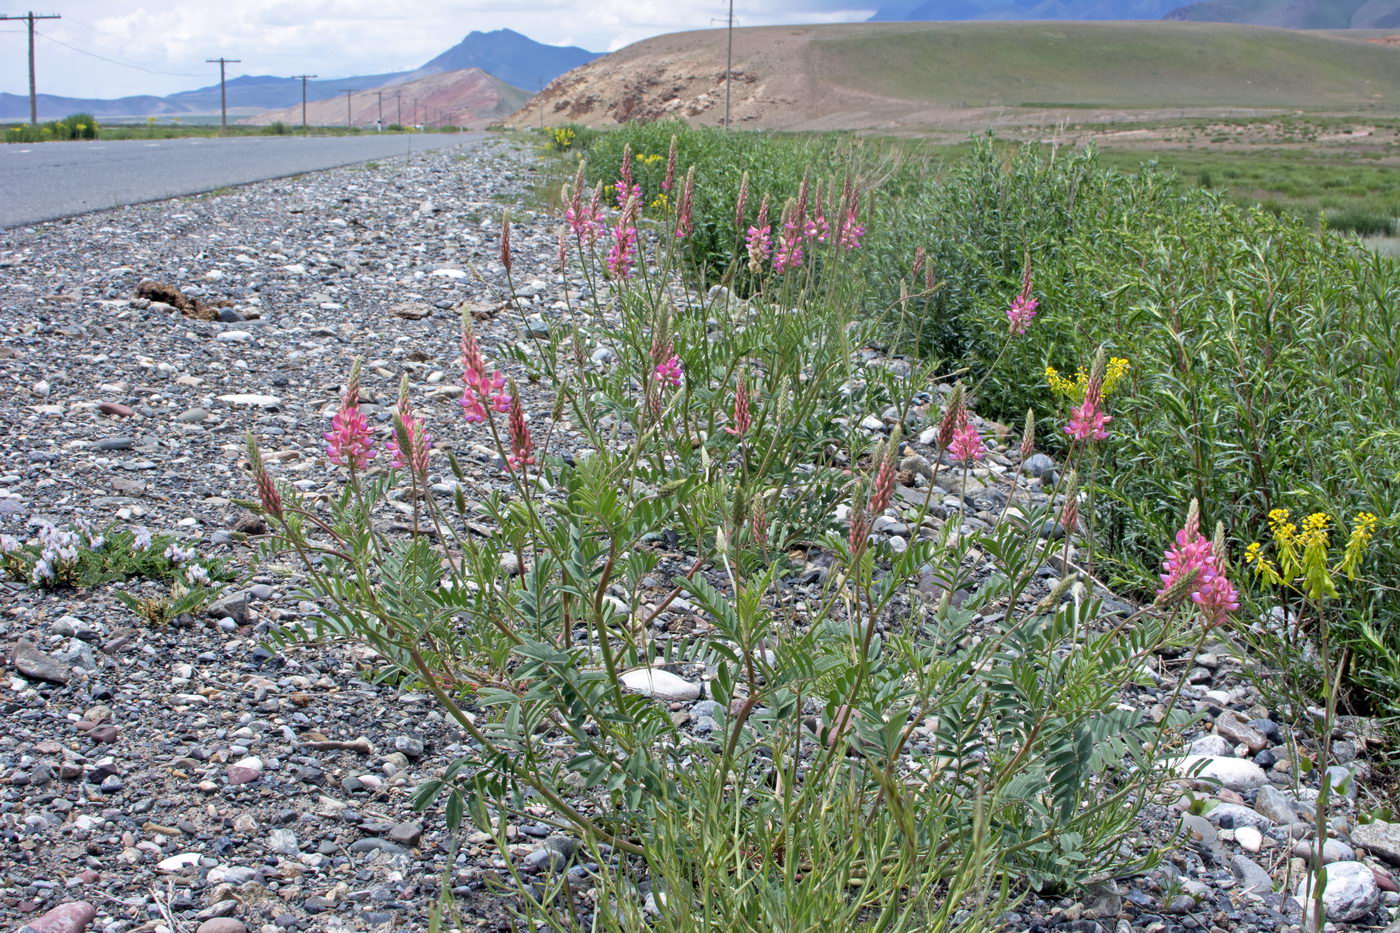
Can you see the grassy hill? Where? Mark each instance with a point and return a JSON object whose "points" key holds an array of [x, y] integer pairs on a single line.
{"points": [[896, 76], [1128, 64]]}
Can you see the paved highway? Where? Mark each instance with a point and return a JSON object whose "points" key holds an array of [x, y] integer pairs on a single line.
{"points": [[47, 181]]}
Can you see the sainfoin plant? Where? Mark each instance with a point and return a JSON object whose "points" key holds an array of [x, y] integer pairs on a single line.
{"points": [[883, 754]]}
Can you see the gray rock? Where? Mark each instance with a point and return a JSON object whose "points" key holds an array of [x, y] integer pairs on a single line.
{"points": [[1350, 892], [1212, 746], [1038, 465], [406, 834], [33, 663], [1380, 839], [1333, 850], [233, 606], [284, 842], [1232, 815], [1252, 878], [1239, 732], [1276, 805]]}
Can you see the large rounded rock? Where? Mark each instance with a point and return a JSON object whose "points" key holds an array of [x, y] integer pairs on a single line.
{"points": [[1351, 892], [1238, 774], [661, 684]]}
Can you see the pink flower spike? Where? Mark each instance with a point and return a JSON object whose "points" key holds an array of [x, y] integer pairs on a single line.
{"points": [[967, 446], [1087, 422], [671, 371], [1211, 591], [1021, 313], [349, 442]]}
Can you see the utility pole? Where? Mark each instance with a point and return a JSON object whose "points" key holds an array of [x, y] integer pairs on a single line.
{"points": [[415, 112], [381, 108], [349, 121], [303, 100], [729, 65], [223, 97], [31, 16], [398, 96]]}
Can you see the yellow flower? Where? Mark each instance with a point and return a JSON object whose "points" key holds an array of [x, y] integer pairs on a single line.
{"points": [[1315, 530], [1074, 389], [1363, 528]]}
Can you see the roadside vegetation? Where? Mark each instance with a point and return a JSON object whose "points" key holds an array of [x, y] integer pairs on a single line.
{"points": [[1217, 384]]}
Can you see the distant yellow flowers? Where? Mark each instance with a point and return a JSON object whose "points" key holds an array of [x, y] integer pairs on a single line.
{"points": [[1301, 560], [1073, 388]]}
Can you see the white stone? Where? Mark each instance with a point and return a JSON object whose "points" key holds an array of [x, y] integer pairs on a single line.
{"points": [[236, 336], [1249, 838], [178, 863], [1351, 892], [661, 684], [1237, 774], [449, 273], [251, 400]]}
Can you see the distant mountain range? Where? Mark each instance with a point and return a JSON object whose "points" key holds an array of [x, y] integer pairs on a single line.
{"points": [[466, 97], [1292, 14], [503, 53]]}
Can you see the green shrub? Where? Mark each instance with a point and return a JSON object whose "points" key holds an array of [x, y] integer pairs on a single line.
{"points": [[1362, 222], [277, 128]]}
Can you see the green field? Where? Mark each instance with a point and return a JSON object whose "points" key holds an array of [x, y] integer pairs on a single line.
{"points": [[1112, 65]]}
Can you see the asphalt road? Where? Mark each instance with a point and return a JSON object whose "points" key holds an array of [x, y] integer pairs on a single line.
{"points": [[47, 181]]}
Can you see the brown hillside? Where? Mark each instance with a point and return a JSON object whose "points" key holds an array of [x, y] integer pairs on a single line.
{"points": [[469, 97]]}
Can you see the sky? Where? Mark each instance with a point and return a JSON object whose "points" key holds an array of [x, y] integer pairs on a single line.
{"points": [[113, 48]]}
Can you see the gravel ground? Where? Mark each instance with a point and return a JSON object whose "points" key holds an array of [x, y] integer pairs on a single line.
{"points": [[187, 778]]}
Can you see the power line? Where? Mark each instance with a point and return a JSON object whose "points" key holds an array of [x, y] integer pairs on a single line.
{"points": [[30, 17], [113, 61]]}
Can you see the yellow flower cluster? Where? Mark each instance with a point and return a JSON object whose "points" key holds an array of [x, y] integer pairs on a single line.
{"points": [[563, 137], [1073, 389], [660, 201], [647, 159], [1301, 561]]}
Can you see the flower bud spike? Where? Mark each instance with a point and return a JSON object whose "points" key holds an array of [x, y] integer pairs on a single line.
{"points": [[505, 241], [1028, 436]]}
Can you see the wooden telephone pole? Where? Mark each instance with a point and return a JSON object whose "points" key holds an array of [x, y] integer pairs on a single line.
{"points": [[303, 100], [30, 17], [223, 96], [349, 121]]}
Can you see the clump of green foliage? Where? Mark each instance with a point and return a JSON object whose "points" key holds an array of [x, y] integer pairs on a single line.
{"points": [[74, 126], [80, 556]]}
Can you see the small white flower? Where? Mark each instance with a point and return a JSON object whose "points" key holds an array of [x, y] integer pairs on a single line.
{"points": [[179, 555], [197, 575], [43, 570], [140, 538], [8, 544]]}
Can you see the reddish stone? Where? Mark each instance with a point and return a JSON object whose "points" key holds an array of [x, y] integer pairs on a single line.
{"points": [[112, 408], [103, 734], [70, 918], [1384, 881]]}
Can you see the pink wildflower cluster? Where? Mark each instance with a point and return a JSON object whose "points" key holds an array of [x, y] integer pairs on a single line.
{"points": [[1210, 590], [967, 446], [586, 220], [1023, 306], [349, 442], [759, 239], [1087, 420], [622, 253], [670, 371], [789, 252], [483, 386]]}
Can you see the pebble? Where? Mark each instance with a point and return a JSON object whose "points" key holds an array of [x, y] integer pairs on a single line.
{"points": [[244, 771], [31, 662], [222, 925], [1249, 838]]}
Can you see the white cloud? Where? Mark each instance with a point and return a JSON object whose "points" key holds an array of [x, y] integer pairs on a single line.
{"points": [[337, 37]]}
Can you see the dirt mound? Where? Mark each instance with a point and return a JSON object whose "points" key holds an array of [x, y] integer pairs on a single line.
{"points": [[469, 97]]}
